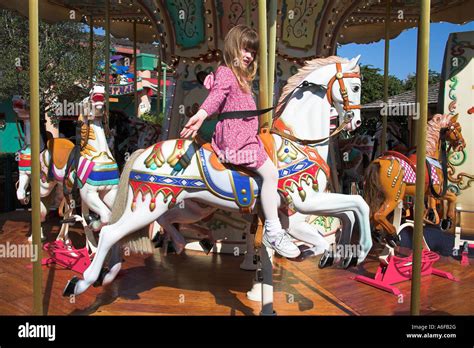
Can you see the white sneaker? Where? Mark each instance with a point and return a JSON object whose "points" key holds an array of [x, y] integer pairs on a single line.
{"points": [[282, 244]]}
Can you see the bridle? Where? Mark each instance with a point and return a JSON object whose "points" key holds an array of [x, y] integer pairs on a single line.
{"points": [[339, 77], [453, 129]]}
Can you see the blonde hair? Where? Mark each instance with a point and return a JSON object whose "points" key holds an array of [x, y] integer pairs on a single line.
{"points": [[241, 37]]}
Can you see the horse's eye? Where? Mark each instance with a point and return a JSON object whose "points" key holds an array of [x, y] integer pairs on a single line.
{"points": [[356, 89]]}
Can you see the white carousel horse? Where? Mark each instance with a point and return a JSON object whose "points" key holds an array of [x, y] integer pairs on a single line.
{"points": [[96, 173], [151, 182], [191, 211], [95, 170]]}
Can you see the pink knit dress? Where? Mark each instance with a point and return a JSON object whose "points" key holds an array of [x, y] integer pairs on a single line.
{"points": [[235, 140]]}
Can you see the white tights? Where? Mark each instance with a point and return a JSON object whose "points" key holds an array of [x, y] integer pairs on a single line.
{"points": [[269, 196]]}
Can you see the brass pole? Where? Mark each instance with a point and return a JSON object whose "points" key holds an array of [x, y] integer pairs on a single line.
{"points": [[35, 160], [272, 16], [164, 90], [263, 69], [248, 13], [91, 51], [158, 86], [415, 123], [107, 57], [135, 77], [383, 142], [422, 100]]}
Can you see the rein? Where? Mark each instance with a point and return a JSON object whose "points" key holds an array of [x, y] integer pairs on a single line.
{"points": [[339, 76], [444, 167]]}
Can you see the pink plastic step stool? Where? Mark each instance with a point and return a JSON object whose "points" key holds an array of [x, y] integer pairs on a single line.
{"points": [[399, 269]]}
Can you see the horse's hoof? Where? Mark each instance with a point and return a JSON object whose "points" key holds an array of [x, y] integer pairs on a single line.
{"points": [[100, 279], [393, 240], [326, 260], [446, 224], [377, 237], [70, 287], [171, 249], [158, 240], [206, 245], [349, 262], [431, 215]]}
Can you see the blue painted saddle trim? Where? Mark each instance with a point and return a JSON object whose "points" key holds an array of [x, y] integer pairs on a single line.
{"points": [[167, 180]]}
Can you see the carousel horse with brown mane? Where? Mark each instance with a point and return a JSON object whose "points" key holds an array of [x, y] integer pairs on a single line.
{"points": [[392, 176]]}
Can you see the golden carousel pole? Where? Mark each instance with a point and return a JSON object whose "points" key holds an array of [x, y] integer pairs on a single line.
{"points": [[107, 57], [158, 85], [272, 17], [247, 13], [91, 51], [383, 141], [263, 68], [135, 78], [35, 153], [422, 100]]}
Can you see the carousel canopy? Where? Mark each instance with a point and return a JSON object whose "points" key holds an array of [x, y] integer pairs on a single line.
{"points": [[304, 30]]}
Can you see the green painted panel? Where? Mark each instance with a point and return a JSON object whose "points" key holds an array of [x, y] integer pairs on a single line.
{"points": [[9, 142], [188, 21]]}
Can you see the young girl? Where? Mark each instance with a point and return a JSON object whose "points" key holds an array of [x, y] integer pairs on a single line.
{"points": [[235, 140]]}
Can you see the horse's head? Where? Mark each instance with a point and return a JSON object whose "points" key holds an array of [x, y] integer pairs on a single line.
{"points": [[454, 135], [94, 104], [342, 82]]}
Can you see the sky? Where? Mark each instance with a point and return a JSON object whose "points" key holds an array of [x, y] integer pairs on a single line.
{"points": [[402, 55]]}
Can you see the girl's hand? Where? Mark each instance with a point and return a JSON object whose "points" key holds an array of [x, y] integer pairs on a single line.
{"points": [[191, 128]]}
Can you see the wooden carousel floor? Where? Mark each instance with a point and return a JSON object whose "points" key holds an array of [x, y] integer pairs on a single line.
{"points": [[197, 284]]}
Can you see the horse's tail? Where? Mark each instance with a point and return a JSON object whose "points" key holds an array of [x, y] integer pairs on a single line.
{"points": [[122, 193], [374, 194], [137, 242]]}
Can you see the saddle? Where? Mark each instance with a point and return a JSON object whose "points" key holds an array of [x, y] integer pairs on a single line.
{"points": [[242, 180], [267, 141], [411, 161], [59, 149]]}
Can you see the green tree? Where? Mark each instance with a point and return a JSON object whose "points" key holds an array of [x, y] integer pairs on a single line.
{"points": [[410, 82], [63, 59], [373, 84]]}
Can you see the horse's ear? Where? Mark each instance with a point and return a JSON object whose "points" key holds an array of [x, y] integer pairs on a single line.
{"points": [[454, 119], [353, 63]]}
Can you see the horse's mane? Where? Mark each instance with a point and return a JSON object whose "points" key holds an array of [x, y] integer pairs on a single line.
{"points": [[437, 122], [303, 72]]}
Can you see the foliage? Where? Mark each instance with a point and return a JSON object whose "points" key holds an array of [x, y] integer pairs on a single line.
{"points": [[63, 60], [152, 118], [373, 84], [410, 82]]}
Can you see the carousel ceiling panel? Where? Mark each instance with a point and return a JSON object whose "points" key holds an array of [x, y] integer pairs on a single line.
{"points": [[150, 25], [305, 28], [188, 22], [365, 21], [301, 21]]}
